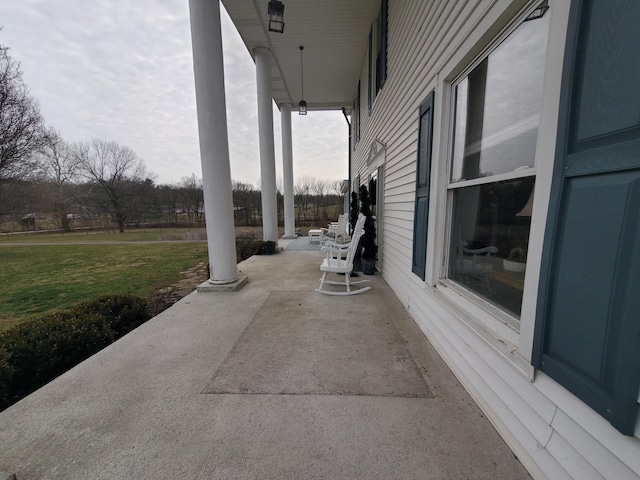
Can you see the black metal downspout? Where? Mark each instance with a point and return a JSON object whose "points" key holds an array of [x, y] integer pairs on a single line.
{"points": [[344, 112]]}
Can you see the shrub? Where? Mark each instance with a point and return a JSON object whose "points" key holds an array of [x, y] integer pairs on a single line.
{"points": [[368, 240], [123, 312], [37, 351], [247, 245], [41, 349], [355, 210], [6, 372]]}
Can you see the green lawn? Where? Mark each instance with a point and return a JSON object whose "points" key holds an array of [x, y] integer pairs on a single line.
{"points": [[128, 236], [39, 278]]}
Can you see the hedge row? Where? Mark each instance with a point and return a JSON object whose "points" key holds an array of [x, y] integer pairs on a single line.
{"points": [[37, 351], [247, 245]]}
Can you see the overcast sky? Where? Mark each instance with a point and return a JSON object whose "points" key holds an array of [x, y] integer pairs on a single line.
{"points": [[123, 70]]}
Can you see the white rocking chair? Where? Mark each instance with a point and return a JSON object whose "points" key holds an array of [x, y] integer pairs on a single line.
{"points": [[339, 260], [337, 231], [470, 269]]}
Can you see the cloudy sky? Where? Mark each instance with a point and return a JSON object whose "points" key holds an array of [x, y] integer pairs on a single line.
{"points": [[122, 70]]}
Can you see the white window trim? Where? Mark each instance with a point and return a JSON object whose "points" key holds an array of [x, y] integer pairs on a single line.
{"points": [[528, 172], [545, 156], [501, 316], [479, 314]]}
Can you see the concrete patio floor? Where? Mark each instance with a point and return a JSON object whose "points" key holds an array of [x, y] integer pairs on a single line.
{"points": [[274, 381]]}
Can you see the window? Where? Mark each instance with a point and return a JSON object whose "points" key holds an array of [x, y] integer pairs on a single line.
{"points": [[377, 71], [492, 174]]}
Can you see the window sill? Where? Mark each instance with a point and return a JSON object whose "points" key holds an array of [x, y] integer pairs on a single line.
{"points": [[486, 323]]}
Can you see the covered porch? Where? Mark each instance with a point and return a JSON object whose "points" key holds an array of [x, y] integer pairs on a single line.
{"points": [[273, 381], [314, 66]]}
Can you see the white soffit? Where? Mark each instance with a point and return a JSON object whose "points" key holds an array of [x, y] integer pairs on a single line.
{"points": [[335, 36]]}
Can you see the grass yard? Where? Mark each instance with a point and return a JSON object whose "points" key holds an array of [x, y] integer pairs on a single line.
{"points": [[38, 278], [137, 235]]}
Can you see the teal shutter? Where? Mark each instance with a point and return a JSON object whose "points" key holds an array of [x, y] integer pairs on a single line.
{"points": [[588, 323], [370, 74], [423, 175], [383, 48], [358, 113]]}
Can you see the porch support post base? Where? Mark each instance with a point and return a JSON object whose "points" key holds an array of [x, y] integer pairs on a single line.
{"points": [[208, 286]]}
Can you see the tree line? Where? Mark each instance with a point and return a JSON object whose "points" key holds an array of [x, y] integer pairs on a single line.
{"points": [[316, 201], [46, 182]]}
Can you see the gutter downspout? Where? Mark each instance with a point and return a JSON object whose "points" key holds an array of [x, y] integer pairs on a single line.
{"points": [[344, 112]]}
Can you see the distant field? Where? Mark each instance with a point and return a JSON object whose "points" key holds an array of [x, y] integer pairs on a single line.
{"points": [[148, 235], [134, 235], [37, 278]]}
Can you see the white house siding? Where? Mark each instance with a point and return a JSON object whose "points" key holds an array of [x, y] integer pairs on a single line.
{"points": [[553, 433]]}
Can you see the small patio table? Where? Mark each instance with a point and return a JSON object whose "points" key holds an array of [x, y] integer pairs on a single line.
{"points": [[315, 235]]}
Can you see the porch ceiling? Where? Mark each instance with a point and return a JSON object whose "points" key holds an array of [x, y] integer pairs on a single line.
{"points": [[334, 33]]}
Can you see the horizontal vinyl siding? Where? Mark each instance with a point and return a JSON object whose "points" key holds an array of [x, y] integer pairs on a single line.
{"points": [[607, 464], [531, 417], [599, 438], [500, 392], [421, 35], [523, 412]]}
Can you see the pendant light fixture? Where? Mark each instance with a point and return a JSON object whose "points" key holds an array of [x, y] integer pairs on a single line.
{"points": [[302, 106], [276, 16]]}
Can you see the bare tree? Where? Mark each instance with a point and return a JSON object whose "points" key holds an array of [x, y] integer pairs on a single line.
{"points": [[321, 189], [60, 167], [144, 204], [193, 196], [302, 188], [170, 198], [243, 194], [335, 188], [21, 125], [117, 172], [298, 195], [24, 199]]}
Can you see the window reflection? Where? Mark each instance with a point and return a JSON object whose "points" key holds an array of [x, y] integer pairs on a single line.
{"points": [[497, 115], [490, 239], [498, 107]]}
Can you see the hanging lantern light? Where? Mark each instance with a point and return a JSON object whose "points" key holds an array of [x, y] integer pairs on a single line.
{"points": [[539, 11], [302, 106], [276, 16]]}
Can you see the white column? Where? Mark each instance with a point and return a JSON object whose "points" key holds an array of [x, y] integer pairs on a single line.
{"points": [[287, 171], [267, 152], [208, 68]]}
